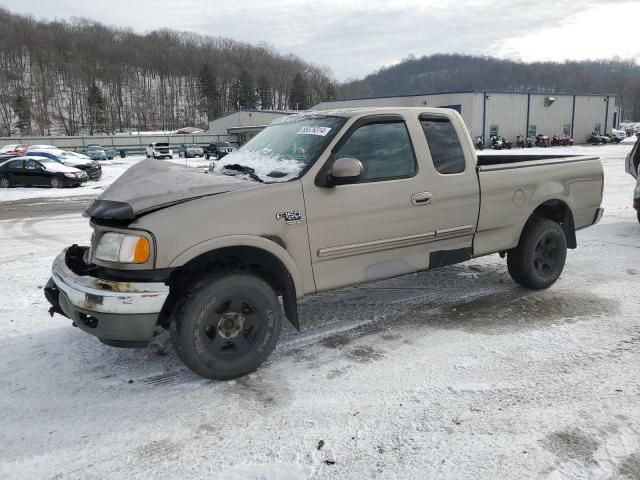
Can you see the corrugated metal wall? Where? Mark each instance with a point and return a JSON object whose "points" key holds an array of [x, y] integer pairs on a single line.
{"points": [[590, 114], [243, 118], [507, 112]]}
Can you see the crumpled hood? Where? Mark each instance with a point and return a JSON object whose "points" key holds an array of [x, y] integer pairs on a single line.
{"points": [[154, 184]]}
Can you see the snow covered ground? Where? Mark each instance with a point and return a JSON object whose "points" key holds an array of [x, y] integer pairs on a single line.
{"points": [[111, 170], [455, 373]]}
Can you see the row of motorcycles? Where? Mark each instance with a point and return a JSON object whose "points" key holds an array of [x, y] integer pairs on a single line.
{"points": [[597, 139], [500, 143]]}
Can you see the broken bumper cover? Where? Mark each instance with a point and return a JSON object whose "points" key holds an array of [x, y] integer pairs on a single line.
{"points": [[110, 310]]}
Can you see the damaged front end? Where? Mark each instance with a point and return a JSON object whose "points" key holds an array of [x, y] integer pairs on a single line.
{"points": [[120, 313]]}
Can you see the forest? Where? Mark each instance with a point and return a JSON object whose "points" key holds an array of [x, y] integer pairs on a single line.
{"points": [[453, 72], [81, 77]]}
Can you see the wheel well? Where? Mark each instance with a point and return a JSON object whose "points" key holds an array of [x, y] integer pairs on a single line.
{"points": [[559, 212], [247, 259]]}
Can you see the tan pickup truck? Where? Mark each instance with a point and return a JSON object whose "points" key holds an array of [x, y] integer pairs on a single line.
{"points": [[315, 202]]}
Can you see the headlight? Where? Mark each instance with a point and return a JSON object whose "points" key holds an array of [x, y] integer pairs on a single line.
{"points": [[123, 248], [70, 175]]}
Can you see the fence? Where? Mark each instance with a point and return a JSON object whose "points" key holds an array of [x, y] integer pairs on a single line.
{"points": [[129, 143]]}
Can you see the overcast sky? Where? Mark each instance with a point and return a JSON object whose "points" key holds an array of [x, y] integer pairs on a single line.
{"points": [[354, 38]]}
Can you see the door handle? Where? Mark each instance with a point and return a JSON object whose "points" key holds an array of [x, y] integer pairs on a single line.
{"points": [[422, 198]]}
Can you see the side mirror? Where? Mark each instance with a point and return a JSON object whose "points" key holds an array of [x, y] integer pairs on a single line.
{"points": [[345, 171]]}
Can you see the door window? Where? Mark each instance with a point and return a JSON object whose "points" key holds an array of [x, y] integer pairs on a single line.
{"points": [[444, 145], [31, 165], [384, 149], [15, 164]]}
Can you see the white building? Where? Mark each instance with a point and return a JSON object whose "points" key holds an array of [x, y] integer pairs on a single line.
{"points": [[509, 114], [242, 125]]}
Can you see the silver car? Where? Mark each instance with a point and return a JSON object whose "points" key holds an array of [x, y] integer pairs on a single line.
{"points": [[190, 151]]}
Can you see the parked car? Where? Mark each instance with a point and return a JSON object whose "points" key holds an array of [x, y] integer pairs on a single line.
{"points": [[310, 204], [190, 151], [218, 150], [91, 167], [632, 167], [13, 148], [34, 171], [159, 150]]}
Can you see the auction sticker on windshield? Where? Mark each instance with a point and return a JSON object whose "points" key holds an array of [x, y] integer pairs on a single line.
{"points": [[308, 130]]}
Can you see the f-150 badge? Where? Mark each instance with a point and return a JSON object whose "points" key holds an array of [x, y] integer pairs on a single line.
{"points": [[289, 217]]}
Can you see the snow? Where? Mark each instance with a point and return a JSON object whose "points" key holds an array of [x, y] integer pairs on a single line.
{"points": [[455, 373], [263, 164]]}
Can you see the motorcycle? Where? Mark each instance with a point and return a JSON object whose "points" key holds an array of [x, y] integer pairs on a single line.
{"points": [[542, 141], [498, 143], [613, 139], [555, 141], [520, 141], [529, 142], [479, 143], [596, 139], [566, 141]]}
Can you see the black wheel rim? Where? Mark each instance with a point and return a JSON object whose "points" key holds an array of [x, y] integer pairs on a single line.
{"points": [[232, 328], [546, 256]]}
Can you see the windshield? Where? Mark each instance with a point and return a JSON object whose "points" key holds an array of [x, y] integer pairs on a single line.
{"points": [[286, 148], [222, 144]]}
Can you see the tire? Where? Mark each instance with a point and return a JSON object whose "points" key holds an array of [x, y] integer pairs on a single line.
{"points": [[55, 183], [225, 326], [5, 182], [539, 258], [637, 212]]}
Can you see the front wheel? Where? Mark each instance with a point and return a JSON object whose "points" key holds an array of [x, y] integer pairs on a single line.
{"points": [[226, 326], [55, 182], [539, 258], [5, 182]]}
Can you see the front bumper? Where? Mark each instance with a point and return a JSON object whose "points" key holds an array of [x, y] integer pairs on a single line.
{"points": [[110, 310]]}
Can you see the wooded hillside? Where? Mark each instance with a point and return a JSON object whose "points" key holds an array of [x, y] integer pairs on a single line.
{"points": [[82, 77], [442, 73]]}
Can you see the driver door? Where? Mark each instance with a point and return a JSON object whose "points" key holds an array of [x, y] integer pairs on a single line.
{"points": [[375, 228], [34, 173]]}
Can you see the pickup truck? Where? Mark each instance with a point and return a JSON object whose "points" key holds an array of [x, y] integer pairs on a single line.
{"points": [[632, 167], [315, 202], [159, 150]]}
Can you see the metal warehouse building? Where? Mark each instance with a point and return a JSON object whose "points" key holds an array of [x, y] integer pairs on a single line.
{"points": [[510, 114], [242, 125]]}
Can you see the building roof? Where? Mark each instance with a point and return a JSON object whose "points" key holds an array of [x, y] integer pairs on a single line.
{"points": [[255, 110], [512, 92]]}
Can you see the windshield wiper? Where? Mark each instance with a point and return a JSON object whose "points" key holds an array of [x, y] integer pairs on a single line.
{"points": [[244, 169]]}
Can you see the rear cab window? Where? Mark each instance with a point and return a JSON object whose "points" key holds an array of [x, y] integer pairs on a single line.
{"points": [[444, 144]]}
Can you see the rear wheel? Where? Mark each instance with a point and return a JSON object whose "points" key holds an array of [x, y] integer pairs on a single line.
{"points": [[225, 326], [539, 258], [5, 182], [55, 182]]}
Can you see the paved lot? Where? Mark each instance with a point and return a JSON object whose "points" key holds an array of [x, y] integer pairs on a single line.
{"points": [[455, 373]]}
